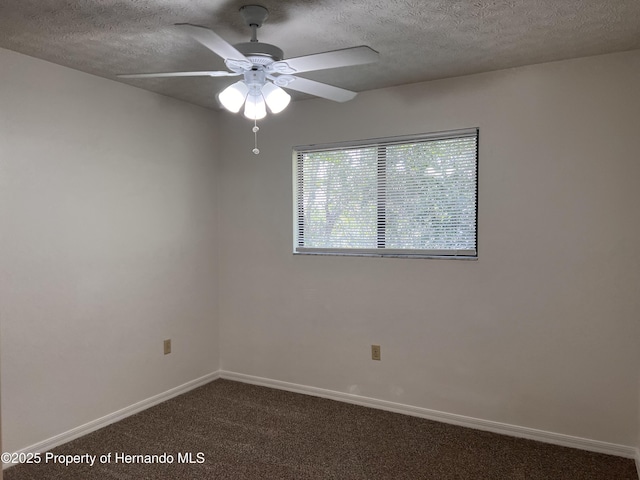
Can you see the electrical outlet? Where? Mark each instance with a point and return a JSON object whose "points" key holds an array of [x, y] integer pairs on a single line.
{"points": [[375, 352], [167, 347]]}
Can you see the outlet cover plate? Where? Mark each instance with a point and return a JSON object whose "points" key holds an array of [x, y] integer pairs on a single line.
{"points": [[375, 352]]}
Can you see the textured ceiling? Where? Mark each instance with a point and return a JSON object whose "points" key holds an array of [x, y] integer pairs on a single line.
{"points": [[417, 39]]}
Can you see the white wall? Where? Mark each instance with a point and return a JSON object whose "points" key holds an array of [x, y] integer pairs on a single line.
{"points": [[540, 332], [107, 246]]}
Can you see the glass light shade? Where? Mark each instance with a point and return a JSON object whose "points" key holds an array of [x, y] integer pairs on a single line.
{"points": [[255, 108], [233, 96], [277, 99]]}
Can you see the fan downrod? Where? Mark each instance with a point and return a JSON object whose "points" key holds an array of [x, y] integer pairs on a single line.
{"points": [[258, 52]]}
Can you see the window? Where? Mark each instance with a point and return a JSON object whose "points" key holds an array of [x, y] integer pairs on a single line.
{"points": [[400, 196]]}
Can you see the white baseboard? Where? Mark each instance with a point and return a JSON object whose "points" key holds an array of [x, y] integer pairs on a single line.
{"points": [[464, 421], [121, 414]]}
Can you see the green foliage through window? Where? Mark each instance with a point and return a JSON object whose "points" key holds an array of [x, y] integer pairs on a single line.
{"points": [[402, 196]]}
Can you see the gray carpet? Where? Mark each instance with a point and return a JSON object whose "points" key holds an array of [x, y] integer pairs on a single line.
{"points": [[250, 432]]}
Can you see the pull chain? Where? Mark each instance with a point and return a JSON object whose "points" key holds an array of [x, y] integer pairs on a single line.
{"points": [[255, 136]]}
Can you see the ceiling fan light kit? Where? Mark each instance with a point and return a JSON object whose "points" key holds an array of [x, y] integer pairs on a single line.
{"points": [[277, 99], [264, 70], [234, 96], [254, 91]]}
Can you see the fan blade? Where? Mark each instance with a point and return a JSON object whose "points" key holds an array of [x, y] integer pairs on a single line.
{"points": [[333, 59], [212, 41], [180, 74], [320, 89]]}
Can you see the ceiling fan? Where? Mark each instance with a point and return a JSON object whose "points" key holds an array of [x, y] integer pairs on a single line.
{"points": [[264, 70]]}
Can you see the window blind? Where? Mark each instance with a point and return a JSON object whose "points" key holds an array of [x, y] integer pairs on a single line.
{"points": [[398, 196]]}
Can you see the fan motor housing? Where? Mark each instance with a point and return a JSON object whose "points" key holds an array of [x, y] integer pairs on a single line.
{"points": [[258, 50]]}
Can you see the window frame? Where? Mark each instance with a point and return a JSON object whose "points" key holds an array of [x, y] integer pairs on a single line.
{"points": [[380, 251]]}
